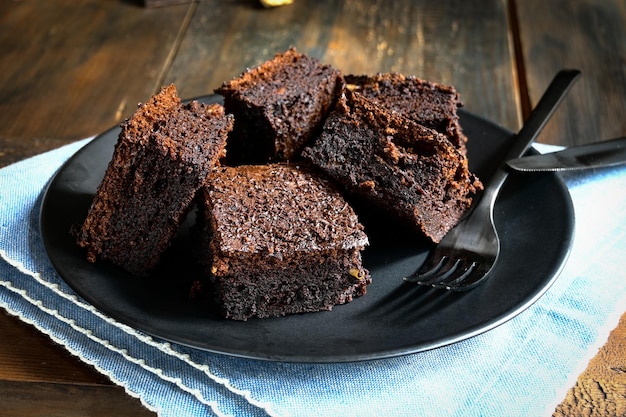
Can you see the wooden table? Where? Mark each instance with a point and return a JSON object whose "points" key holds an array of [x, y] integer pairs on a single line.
{"points": [[73, 68]]}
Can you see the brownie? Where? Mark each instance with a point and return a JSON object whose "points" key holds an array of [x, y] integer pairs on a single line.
{"points": [[409, 171], [427, 103], [280, 240], [278, 106], [163, 155]]}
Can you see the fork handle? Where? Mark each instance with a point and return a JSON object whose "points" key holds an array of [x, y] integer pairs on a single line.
{"points": [[539, 116]]}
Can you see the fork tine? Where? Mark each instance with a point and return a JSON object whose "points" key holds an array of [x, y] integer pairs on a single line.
{"points": [[429, 268], [430, 273], [457, 280], [480, 274], [449, 269]]}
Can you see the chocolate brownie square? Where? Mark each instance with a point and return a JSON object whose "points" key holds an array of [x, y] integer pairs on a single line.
{"points": [[411, 172], [279, 106], [162, 157], [279, 240]]}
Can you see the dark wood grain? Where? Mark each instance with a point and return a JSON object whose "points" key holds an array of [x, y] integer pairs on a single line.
{"points": [[26, 399], [33, 356], [71, 69], [162, 3], [587, 35], [432, 40]]}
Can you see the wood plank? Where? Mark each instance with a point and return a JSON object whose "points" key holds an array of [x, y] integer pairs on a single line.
{"points": [[33, 356], [584, 34], [162, 3], [68, 400], [601, 389], [73, 68], [432, 40]]}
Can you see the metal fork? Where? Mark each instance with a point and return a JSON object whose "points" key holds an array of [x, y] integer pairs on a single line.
{"points": [[465, 255]]}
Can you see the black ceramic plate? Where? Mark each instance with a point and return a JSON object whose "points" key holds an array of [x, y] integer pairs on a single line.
{"points": [[534, 216]]}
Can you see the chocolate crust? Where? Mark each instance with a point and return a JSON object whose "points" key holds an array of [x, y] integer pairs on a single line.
{"points": [[163, 155], [280, 209], [279, 107], [410, 171], [427, 103]]}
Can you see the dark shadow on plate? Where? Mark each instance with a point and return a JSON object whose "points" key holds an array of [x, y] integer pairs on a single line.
{"points": [[410, 302], [405, 293]]}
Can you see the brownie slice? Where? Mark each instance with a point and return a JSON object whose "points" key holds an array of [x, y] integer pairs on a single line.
{"points": [[410, 171], [427, 103], [162, 157], [279, 106], [280, 241]]}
